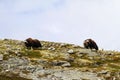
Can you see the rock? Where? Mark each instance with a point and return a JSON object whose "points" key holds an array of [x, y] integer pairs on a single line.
{"points": [[13, 63], [63, 45], [70, 59], [81, 54], [30, 68], [103, 72], [51, 48], [67, 64], [1, 57], [42, 61], [61, 63], [52, 77], [58, 61], [70, 51], [92, 54], [76, 75]]}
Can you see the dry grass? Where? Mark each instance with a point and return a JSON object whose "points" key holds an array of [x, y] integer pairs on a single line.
{"points": [[81, 58], [4, 77]]}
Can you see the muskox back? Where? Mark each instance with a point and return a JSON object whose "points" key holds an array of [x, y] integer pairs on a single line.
{"points": [[34, 43], [90, 44]]}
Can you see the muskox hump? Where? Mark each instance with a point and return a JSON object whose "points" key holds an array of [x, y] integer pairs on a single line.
{"points": [[90, 44], [36, 43]]}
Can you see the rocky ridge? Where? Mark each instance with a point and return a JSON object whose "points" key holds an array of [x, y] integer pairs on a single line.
{"points": [[56, 61]]}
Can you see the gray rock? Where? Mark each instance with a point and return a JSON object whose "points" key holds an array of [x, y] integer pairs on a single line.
{"points": [[13, 63], [76, 75], [63, 45], [103, 72], [1, 57], [67, 64], [61, 63], [70, 51], [41, 61], [51, 48]]}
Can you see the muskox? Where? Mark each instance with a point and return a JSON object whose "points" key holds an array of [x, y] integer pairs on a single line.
{"points": [[32, 43], [90, 44]]}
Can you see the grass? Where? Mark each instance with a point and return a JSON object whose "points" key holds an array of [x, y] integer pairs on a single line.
{"points": [[79, 61], [32, 54], [108, 60], [4, 77]]}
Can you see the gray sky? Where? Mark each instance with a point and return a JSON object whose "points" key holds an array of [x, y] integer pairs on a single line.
{"points": [[70, 21]]}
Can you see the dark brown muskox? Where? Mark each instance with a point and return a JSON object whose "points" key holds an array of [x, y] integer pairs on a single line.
{"points": [[90, 44], [32, 43]]}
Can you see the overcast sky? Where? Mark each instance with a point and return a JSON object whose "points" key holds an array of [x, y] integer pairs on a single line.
{"points": [[70, 21]]}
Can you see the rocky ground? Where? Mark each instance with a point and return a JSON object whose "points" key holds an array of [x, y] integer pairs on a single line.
{"points": [[56, 61]]}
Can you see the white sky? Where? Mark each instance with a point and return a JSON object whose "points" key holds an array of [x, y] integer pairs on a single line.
{"points": [[70, 21]]}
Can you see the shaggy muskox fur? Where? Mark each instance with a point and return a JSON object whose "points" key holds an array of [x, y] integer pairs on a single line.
{"points": [[32, 43], [90, 44]]}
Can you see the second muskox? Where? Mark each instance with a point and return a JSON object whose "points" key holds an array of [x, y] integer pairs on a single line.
{"points": [[32, 43], [90, 44]]}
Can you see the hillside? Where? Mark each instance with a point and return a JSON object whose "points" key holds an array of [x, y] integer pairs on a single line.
{"points": [[56, 61]]}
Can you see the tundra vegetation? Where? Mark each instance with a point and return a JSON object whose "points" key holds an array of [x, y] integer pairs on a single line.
{"points": [[56, 61]]}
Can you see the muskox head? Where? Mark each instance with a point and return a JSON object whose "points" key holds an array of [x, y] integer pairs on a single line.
{"points": [[90, 44], [32, 43]]}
